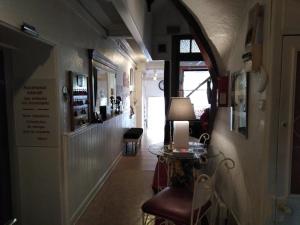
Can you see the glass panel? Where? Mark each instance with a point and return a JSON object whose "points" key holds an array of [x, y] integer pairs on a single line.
{"points": [[199, 98], [195, 48], [185, 46], [295, 179]]}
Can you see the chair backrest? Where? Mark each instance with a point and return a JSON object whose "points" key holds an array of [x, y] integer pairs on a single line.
{"points": [[228, 163], [204, 138], [203, 191]]}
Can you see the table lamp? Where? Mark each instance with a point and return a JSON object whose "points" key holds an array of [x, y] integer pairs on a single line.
{"points": [[181, 111]]}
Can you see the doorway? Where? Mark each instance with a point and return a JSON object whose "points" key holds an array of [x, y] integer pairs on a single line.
{"points": [[5, 187], [287, 204], [156, 119]]}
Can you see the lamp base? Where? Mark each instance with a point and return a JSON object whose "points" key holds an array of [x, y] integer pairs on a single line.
{"points": [[181, 134]]}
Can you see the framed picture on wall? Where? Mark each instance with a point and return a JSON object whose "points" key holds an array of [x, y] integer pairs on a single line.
{"points": [[79, 100], [239, 102], [125, 80]]}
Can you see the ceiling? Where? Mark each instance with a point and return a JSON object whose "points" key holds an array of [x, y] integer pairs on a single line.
{"points": [[105, 13], [221, 21]]}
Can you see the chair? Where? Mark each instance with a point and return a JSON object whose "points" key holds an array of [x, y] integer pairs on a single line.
{"points": [[204, 138], [179, 205]]}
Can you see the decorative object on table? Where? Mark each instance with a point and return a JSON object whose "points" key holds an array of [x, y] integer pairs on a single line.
{"points": [[181, 111], [112, 102], [103, 112], [239, 102], [118, 104], [79, 103]]}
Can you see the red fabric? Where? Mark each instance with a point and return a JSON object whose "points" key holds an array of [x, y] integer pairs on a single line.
{"points": [[160, 178], [204, 120]]}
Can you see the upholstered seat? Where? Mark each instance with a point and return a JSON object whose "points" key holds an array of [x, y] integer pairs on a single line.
{"points": [[133, 133], [180, 205], [174, 204]]}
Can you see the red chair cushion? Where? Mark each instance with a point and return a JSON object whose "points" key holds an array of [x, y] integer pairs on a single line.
{"points": [[172, 203]]}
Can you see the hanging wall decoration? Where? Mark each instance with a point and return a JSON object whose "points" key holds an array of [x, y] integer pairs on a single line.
{"points": [[254, 39]]}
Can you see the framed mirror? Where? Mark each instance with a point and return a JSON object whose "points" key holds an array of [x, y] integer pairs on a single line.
{"points": [[103, 85], [239, 102]]}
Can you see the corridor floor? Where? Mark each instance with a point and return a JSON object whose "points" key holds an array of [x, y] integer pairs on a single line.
{"points": [[120, 199]]}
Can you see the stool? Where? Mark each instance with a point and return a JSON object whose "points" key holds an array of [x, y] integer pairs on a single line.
{"points": [[133, 136]]}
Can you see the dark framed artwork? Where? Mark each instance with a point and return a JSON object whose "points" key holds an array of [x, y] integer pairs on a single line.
{"points": [[239, 102], [79, 79], [79, 100]]}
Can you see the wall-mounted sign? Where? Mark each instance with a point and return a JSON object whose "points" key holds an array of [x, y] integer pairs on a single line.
{"points": [[36, 114]]}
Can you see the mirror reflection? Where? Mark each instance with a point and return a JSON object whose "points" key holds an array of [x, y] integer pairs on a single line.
{"points": [[239, 102], [104, 91]]}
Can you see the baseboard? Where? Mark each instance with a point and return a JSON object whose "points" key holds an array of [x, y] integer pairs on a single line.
{"points": [[85, 203]]}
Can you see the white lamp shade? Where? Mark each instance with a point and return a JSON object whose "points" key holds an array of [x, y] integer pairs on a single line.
{"points": [[181, 109]]}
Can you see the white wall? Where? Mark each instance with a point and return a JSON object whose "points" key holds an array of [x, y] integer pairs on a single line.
{"points": [[244, 189], [142, 18], [66, 25]]}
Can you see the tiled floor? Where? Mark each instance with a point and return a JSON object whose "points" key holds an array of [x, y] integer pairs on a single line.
{"points": [[120, 199]]}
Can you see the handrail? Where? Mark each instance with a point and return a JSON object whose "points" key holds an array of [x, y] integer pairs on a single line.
{"points": [[11, 222], [198, 87]]}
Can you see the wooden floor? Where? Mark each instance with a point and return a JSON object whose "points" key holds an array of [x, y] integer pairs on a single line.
{"points": [[120, 199]]}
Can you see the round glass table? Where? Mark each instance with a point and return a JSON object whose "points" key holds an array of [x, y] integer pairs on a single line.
{"points": [[196, 151], [171, 162]]}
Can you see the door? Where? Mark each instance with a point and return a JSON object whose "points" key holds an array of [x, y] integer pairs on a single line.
{"points": [[288, 157], [156, 119], [5, 194]]}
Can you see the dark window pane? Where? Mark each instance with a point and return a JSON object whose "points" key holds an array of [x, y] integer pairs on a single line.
{"points": [[185, 46]]}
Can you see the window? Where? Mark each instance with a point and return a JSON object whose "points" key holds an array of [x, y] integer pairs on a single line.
{"points": [[189, 46], [195, 47], [199, 98]]}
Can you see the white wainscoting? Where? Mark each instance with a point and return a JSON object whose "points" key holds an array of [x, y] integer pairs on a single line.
{"points": [[89, 157]]}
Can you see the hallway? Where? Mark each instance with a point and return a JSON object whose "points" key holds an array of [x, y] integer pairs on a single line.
{"points": [[120, 199]]}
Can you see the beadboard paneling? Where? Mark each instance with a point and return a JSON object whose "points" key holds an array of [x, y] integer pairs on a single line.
{"points": [[89, 155]]}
